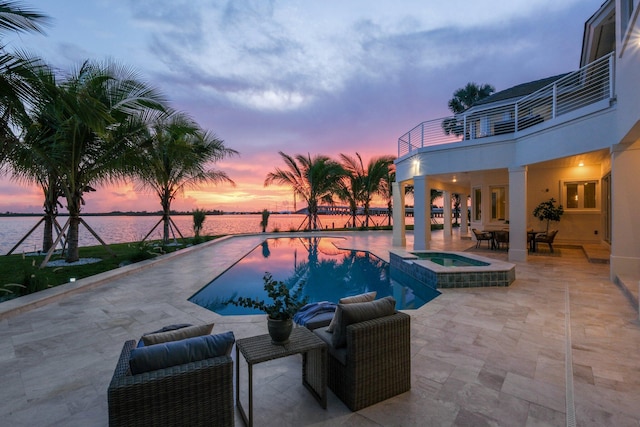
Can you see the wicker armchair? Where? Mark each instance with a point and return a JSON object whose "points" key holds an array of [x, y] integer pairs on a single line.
{"points": [[193, 394], [378, 362]]}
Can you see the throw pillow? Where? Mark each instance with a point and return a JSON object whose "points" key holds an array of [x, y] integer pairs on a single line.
{"points": [[177, 334], [175, 353], [163, 329], [366, 297], [348, 314]]}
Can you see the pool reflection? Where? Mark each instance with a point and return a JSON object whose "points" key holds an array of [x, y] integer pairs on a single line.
{"points": [[325, 272]]}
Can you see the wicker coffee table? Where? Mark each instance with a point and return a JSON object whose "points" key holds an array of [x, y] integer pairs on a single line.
{"points": [[302, 341]]}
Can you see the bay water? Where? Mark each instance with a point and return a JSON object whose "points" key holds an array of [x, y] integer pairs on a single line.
{"points": [[125, 228]]}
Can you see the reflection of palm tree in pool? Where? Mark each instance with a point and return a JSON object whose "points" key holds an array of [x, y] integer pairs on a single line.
{"points": [[265, 249], [355, 272], [366, 272]]}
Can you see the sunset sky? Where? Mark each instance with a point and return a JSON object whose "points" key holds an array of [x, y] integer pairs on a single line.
{"points": [[318, 77]]}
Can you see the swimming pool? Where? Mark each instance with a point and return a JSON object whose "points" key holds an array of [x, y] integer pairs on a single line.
{"points": [[328, 274]]}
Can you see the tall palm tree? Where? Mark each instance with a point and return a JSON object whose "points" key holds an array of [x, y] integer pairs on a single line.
{"points": [[314, 179], [386, 191], [371, 177], [93, 117], [350, 190], [463, 99], [15, 71], [20, 78], [174, 157]]}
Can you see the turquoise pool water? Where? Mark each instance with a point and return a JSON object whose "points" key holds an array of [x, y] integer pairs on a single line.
{"points": [[327, 274], [449, 260]]}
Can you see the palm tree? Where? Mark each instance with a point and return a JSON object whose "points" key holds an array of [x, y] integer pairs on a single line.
{"points": [[350, 190], [386, 191], [456, 205], [463, 99], [15, 17], [90, 120], [371, 177], [314, 179], [174, 157], [16, 90], [17, 93]]}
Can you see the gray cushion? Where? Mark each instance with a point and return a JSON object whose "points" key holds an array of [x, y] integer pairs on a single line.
{"points": [[347, 314], [367, 296], [177, 334], [160, 356], [340, 354]]}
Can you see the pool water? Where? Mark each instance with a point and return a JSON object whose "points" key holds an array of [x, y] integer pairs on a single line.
{"points": [[325, 272], [449, 259]]}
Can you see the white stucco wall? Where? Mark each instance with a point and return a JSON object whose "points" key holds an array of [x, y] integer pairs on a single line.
{"points": [[574, 226]]}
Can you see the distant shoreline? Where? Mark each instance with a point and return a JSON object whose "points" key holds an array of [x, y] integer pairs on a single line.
{"points": [[16, 214]]}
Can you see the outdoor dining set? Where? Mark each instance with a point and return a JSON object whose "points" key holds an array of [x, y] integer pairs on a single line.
{"points": [[499, 239]]}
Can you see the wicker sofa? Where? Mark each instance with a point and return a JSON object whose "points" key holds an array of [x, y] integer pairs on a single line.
{"points": [[193, 394], [375, 364]]}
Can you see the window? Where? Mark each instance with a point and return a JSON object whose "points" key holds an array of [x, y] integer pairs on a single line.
{"points": [[498, 204], [477, 204], [580, 195]]}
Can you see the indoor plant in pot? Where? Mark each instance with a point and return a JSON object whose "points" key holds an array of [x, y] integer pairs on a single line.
{"points": [[284, 304], [548, 211]]}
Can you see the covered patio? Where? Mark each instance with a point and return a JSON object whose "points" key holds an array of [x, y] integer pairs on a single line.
{"points": [[552, 349]]}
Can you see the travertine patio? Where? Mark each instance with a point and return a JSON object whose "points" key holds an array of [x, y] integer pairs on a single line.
{"points": [[560, 346]]}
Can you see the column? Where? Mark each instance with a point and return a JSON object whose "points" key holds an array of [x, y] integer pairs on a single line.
{"points": [[518, 249], [464, 212], [399, 215], [421, 214], [446, 215], [625, 223]]}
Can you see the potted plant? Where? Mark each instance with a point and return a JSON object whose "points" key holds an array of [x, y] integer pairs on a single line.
{"points": [[284, 304], [548, 211]]}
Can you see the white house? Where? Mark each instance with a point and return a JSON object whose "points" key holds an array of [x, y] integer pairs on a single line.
{"points": [[573, 137]]}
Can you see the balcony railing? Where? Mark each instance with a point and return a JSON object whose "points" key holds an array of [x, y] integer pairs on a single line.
{"points": [[589, 85]]}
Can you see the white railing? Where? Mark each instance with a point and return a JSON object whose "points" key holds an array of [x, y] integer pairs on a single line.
{"points": [[590, 84]]}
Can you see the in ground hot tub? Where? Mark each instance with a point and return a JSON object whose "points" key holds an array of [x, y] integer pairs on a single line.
{"points": [[440, 269]]}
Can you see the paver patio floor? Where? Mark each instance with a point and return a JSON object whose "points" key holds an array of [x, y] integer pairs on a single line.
{"points": [[560, 346]]}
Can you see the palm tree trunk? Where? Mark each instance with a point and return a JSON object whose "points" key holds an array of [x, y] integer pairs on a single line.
{"points": [[73, 252], [389, 213], [47, 238], [74, 204], [366, 215], [165, 227], [166, 210]]}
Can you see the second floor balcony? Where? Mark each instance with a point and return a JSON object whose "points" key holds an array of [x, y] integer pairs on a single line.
{"points": [[572, 96]]}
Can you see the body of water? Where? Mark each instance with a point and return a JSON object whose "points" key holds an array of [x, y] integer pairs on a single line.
{"points": [[122, 229]]}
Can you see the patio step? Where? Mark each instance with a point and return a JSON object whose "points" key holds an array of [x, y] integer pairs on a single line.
{"points": [[597, 253]]}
